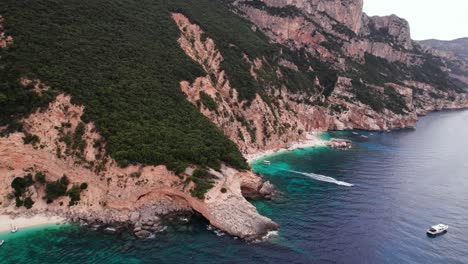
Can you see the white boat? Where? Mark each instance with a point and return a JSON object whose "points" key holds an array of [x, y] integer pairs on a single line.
{"points": [[437, 229], [1, 242], [14, 229], [266, 162]]}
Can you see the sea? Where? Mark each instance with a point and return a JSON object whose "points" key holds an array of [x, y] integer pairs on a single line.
{"points": [[370, 204]]}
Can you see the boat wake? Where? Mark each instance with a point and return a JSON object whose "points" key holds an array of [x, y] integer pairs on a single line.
{"points": [[323, 178]]}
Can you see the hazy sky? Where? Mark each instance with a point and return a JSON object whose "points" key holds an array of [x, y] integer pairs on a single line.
{"points": [[440, 19]]}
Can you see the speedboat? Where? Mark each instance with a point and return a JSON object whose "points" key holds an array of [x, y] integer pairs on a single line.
{"points": [[266, 162], [1, 242], [14, 229], [437, 229]]}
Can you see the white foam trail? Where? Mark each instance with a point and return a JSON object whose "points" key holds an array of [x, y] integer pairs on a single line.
{"points": [[323, 178]]}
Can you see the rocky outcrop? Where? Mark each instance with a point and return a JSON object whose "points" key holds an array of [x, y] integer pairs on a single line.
{"points": [[230, 212], [347, 12], [136, 195], [457, 47], [339, 143], [454, 53], [390, 27]]}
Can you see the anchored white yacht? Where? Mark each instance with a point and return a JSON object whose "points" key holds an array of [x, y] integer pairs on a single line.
{"points": [[1, 242], [437, 229], [266, 162]]}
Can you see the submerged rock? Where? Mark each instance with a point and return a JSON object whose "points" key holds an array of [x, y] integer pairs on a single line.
{"points": [[142, 234], [339, 143], [267, 190]]}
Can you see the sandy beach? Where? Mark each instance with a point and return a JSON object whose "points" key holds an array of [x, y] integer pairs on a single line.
{"points": [[312, 140], [26, 221]]}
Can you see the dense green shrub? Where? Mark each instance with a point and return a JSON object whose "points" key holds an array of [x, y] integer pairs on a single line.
{"points": [[390, 99], [28, 203], [200, 173], [202, 182], [368, 96], [56, 189], [207, 101], [79, 143], [30, 139], [84, 186], [19, 202], [202, 186], [74, 194], [394, 101], [19, 184], [40, 177]]}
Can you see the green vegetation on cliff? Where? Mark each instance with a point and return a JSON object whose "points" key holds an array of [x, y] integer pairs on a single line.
{"points": [[121, 60], [203, 183]]}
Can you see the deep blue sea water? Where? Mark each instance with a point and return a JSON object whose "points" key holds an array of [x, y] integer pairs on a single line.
{"points": [[402, 182]]}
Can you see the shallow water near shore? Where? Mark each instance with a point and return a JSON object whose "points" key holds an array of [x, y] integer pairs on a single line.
{"points": [[370, 204]]}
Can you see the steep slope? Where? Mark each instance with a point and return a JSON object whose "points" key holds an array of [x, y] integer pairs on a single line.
{"points": [[378, 57], [454, 52], [458, 47]]}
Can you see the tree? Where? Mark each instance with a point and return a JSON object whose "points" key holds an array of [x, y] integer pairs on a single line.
{"points": [[40, 177], [28, 203]]}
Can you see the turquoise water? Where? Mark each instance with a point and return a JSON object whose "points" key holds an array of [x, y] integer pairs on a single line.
{"points": [[370, 204], [7, 236]]}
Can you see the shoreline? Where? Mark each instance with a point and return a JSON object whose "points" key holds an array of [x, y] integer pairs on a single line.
{"points": [[312, 140], [22, 222]]}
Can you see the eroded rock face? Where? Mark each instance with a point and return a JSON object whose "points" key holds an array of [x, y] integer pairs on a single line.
{"points": [[300, 117], [454, 52], [347, 12], [232, 213], [394, 27], [316, 23], [258, 112]]}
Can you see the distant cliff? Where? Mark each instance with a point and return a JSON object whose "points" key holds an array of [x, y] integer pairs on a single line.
{"points": [[459, 47], [455, 54]]}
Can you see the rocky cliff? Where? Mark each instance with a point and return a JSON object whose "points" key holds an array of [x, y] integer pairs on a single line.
{"points": [[455, 54], [374, 53], [135, 195], [153, 114], [457, 47]]}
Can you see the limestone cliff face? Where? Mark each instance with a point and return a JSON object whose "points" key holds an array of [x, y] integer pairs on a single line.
{"points": [[392, 26], [295, 117], [347, 12], [315, 24], [252, 126], [320, 28], [455, 54], [457, 47]]}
